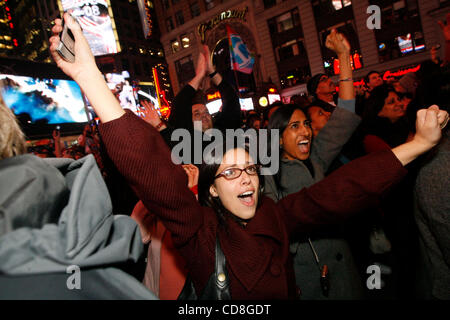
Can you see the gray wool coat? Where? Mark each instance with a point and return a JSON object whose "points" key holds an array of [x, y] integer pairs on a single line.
{"points": [[56, 214], [432, 214], [345, 282]]}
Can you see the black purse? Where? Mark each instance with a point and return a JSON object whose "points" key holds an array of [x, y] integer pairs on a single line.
{"points": [[218, 285]]}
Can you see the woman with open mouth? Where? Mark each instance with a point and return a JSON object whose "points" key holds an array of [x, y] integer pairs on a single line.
{"points": [[253, 230], [305, 158]]}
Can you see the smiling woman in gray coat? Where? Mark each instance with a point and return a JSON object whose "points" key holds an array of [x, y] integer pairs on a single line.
{"points": [[304, 162]]}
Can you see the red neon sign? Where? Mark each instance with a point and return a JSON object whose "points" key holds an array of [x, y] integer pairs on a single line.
{"points": [[399, 73]]}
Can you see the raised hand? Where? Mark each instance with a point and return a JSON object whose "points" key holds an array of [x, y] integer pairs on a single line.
{"points": [[84, 59], [209, 65], [150, 114], [85, 72], [192, 173], [56, 135], [428, 125], [200, 70], [337, 42]]}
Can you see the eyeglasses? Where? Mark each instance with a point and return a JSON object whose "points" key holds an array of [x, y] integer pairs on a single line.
{"points": [[234, 173]]}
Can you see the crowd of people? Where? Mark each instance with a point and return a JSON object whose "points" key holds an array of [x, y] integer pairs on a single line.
{"points": [[362, 181]]}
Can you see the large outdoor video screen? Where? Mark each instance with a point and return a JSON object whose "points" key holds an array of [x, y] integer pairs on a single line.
{"points": [[96, 22], [50, 101]]}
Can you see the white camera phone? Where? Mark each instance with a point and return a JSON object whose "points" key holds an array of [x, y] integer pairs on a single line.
{"points": [[66, 44]]}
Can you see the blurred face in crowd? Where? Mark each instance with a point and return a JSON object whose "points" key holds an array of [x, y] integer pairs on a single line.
{"points": [[325, 89], [238, 191], [296, 138], [393, 107], [319, 118], [375, 80], [256, 124], [201, 113]]}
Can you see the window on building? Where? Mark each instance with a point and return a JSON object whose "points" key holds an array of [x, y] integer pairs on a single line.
{"points": [[401, 29], [331, 14], [288, 43], [284, 22], [269, 3], [179, 18], [169, 24], [185, 41], [290, 49], [166, 4], [175, 44], [325, 7], [209, 4], [295, 76], [185, 69], [195, 9]]}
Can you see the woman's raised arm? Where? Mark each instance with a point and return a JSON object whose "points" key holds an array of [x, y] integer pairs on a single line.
{"points": [[85, 72]]}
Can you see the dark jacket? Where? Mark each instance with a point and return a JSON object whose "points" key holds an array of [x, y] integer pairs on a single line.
{"points": [[56, 213], [257, 255], [228, 118]]}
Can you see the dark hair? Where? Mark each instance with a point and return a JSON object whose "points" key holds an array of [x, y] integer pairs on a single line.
{"points": [[319, 103], [274, 105], [300, 100], [375, 102], [251, 118], [207, 173], [366, 78], [280, 118], [313, 83], [199, 98]]}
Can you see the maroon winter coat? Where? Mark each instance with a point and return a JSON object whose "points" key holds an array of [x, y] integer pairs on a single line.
{"points": [[257, 256]]}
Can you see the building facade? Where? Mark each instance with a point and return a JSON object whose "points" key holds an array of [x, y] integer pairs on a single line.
{"points": [[287, 37]]}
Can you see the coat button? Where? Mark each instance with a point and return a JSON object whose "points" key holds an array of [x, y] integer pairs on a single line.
{"points": [[275, 270]]}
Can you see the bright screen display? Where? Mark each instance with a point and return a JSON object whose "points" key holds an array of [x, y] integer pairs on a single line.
{"points": [[46, 100], [93, 17], [120, 86], [214, 106], [273, 97], [246, 104]]}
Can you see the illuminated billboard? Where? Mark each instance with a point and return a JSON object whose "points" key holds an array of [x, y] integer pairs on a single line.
{"points": [[50, 101], [96, 19]]}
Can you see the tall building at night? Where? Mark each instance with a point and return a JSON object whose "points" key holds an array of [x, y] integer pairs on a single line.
{"points": [[287, 37], [7, 39], [27, 29]]}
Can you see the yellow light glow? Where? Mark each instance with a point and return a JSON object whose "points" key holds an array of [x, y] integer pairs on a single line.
{"points": [[263, 102]]}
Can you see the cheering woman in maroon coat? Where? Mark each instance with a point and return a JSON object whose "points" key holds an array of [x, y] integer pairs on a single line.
{"points": [[252, 230]]}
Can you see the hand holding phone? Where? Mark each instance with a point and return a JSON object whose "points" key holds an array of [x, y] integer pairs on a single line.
{"points": [[67, 43]]}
